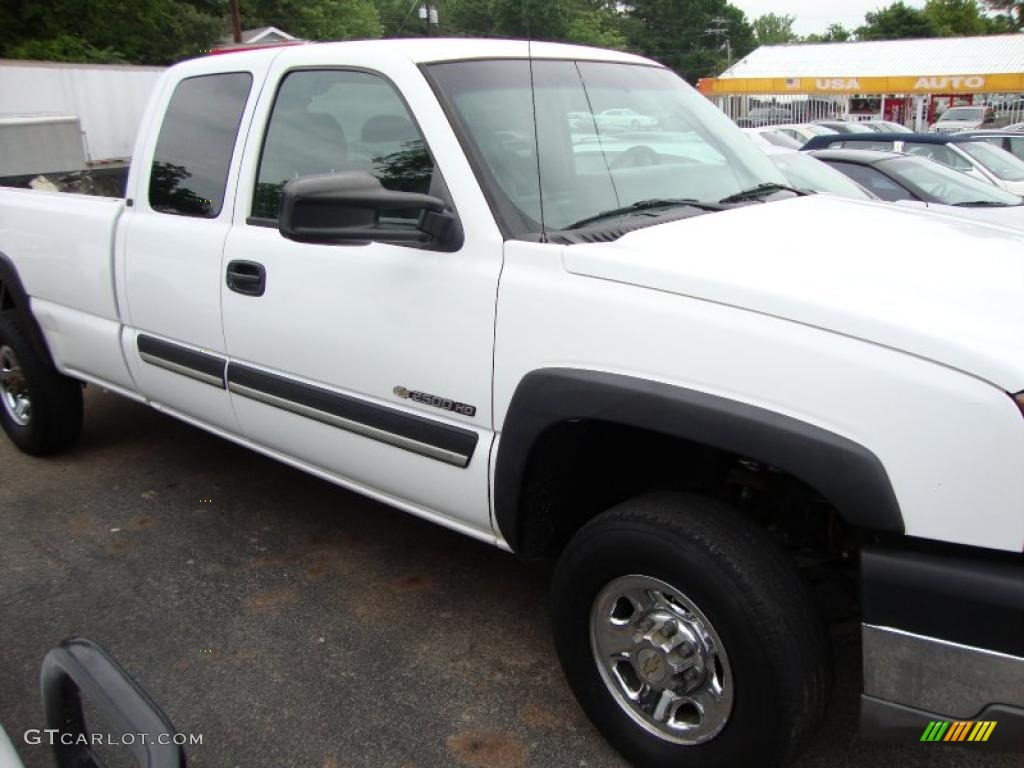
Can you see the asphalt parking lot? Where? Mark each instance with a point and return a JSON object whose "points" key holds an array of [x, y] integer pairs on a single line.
{"points": [[292, 623]]}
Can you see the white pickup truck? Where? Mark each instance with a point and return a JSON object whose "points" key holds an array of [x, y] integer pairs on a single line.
{"points": [[411, 268]]}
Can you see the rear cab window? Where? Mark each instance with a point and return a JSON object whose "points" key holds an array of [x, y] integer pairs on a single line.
{"points": [[189, 173]]}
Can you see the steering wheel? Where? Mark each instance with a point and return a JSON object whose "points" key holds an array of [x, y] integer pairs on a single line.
{"points": [[640, 156]]}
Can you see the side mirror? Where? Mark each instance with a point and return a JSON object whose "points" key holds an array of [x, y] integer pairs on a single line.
{"points": [[346, 208], [79, 669]]}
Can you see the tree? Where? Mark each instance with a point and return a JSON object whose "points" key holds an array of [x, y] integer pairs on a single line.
{"points": [[1014, 17], [897, 22], [597, 26], [152, 32], [773, 29], [689, 36], [315, 19], [954, 18], [836, 33], [533, 19]]}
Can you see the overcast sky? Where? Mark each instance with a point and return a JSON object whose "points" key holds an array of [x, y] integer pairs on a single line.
{"points": [[816, 15]]}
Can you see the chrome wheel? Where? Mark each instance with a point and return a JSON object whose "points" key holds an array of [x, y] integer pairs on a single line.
{"points": [[661, 659], [13, 388]]}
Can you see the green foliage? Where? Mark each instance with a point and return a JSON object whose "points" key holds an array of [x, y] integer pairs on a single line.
{"points": [[62, 48], [773, 29], [897, 22], [599, 27], [675, 32], [1014, 18], [955, 18], [315, 19], [152, 32], [836, 33], [938, 18]]}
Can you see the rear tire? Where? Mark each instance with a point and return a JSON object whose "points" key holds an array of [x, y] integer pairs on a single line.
{"points": [[733, 606], [40, 408]]}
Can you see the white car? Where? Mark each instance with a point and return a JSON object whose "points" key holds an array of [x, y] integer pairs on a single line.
{"points": [[914, 182], [624, 117], [809, 174], [958, 119], [386, 264], [769, 137], [804, 132], [969, 154]]}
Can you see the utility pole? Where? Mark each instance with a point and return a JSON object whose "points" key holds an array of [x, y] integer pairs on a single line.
{"points": [[719, 29], [236, 21], [428, 12]]}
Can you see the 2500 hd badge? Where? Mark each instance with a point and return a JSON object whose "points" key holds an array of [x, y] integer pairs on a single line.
{"points": [[436, 401]]}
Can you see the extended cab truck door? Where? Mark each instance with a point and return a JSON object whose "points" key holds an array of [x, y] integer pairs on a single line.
{"points": [[371, 362], [182, 193]]}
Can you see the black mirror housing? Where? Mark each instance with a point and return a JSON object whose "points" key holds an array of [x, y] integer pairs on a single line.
{"points": [[336, 208], [78, 670]]}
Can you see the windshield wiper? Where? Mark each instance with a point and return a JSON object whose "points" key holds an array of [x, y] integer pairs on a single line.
{"points": [[981, 204], [761, 190], [645, 205]]}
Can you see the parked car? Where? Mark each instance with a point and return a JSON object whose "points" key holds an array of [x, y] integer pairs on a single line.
{"points": [[844, 126], [1011, 141], [809, 174], [886, 126], [772, 138], [624, 117], [968, 154], [802, 132], [762, 116], [382, 262], [958, 119], [918, 181], [581, 121]]}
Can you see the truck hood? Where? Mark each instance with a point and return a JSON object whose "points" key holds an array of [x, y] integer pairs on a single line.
{"points": [[939, 287]]}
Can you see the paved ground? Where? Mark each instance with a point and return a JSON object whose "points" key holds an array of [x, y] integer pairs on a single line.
{"points": [[294, 624]]}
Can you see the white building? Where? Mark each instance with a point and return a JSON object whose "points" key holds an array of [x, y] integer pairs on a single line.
{"points": [[906, 80]]}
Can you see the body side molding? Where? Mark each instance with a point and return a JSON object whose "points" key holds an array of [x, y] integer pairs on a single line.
{"points": [[427, 437], [201, 366], [847, 474]]}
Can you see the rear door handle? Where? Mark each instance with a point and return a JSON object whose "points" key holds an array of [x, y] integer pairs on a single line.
{"points": [[247, 278]]}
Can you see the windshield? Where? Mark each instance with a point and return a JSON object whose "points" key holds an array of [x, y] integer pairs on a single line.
{"points": [[1000, 162], [610, 136], [810, 174], [967, 114], [945, 185]]}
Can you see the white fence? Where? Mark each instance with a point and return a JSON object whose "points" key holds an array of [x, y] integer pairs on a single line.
{"points": [[916, 112], [108, 99]]}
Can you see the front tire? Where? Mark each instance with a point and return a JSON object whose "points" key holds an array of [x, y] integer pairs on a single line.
{"points": [[688, 636], [40, 408]]}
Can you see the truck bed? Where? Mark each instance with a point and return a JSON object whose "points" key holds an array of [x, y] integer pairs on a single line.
{"points": [[104, 181]]}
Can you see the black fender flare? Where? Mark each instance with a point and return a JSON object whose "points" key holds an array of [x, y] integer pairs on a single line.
{"points": [[11, 283], [847, 474]]}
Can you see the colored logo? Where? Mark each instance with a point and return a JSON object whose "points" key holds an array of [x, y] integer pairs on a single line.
{"points": [[961, 730]]}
